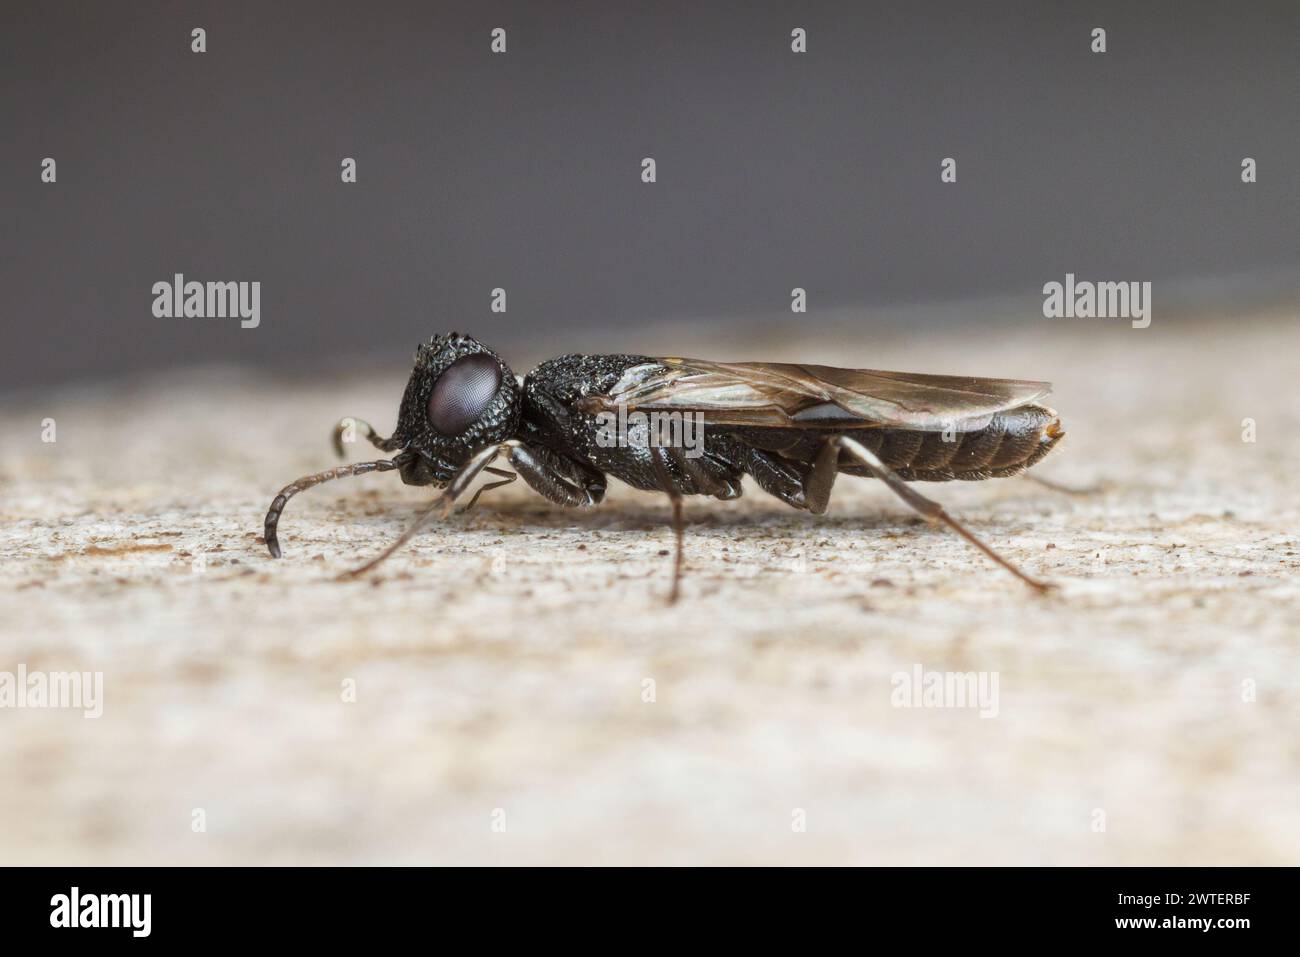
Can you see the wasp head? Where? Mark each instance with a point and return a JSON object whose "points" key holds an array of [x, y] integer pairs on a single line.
{"points": [[462, 397]]}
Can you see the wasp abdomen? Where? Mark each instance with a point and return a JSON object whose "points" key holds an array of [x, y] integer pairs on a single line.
{"points": [[1010, 443]]}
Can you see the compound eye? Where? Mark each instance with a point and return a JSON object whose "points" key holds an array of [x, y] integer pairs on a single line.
{"points": [[463, 392]]}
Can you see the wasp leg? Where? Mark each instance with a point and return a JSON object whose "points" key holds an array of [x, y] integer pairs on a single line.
{"points": [[659, 457], [559, 479], [442, 503], [927, 509], [1067, 489], [704, 482], [821, 477], [777, 476], [508, 478], [373, 437], [306, 482]]}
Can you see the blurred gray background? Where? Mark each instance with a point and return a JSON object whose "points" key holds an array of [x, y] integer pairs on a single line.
{"points": [[522, 171]]}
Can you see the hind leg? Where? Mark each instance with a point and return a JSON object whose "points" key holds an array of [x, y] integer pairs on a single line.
{"points": [[1094, 489], [821, 477], [928, 510]]}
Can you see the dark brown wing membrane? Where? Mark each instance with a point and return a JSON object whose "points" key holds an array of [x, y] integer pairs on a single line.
{"points": [[786, 395]]}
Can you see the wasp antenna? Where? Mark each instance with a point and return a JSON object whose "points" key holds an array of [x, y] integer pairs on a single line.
{"points": [[306, 482], [373, 437]]}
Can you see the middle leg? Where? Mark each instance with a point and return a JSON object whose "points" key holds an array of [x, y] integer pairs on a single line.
{"points": [[506, 479], [660, 457]]}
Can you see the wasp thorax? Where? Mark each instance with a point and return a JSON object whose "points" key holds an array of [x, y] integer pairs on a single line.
{"points": [[463, 392]]}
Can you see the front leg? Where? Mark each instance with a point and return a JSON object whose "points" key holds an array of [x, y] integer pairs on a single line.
{"points": [[559, 478], [562, 480], [552, 475]]}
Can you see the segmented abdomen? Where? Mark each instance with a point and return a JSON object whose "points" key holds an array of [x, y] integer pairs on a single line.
{"points": [[1009, 444]]}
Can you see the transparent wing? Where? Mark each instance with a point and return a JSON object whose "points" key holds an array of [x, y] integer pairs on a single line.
{"points": [[788, 395]]}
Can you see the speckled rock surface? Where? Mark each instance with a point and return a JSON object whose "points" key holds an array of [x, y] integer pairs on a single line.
{"points": [[1147, 712]]}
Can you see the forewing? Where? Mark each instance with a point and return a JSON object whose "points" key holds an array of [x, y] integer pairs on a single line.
{"points": [[788, 395]]}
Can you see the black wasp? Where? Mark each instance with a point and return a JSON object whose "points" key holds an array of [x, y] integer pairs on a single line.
{"points": [[792, 428]]}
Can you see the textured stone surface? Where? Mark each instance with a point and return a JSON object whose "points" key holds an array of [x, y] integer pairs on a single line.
{"points": [[499, 662]]}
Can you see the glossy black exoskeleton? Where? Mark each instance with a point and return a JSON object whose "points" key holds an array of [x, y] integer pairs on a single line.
{"points": [[792, 428]]}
